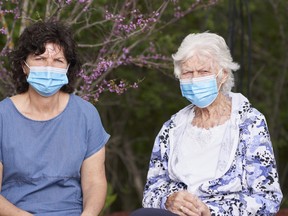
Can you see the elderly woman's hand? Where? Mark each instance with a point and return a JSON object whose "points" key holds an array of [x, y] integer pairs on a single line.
{"points": [[203, 208], [184, 203]]}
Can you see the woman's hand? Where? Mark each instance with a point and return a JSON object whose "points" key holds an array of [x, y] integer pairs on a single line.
{"points": [[203, 208], [184, 203]]}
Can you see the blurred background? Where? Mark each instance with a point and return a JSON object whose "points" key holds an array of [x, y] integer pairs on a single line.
{"points": [[126, 48]]}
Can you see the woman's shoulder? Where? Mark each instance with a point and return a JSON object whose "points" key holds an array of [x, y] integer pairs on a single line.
{"points": [[5, 104], [82, 102], [4, 101], [178, 117], [83, 105], [182, 114], [243, 107]]}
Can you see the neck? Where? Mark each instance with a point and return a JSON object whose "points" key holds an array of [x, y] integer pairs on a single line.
{"points": [[43, 104], [217, 113], [44, 108]]}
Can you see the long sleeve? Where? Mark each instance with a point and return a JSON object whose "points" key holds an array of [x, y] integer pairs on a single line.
{"points": [[249, 186], [159, 186], [260, 193]]}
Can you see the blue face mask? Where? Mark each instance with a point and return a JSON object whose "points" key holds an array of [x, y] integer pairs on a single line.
{"points": [[200, 91], [47, 80]]}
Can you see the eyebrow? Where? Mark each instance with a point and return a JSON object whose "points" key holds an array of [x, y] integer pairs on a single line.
{"points": [[61, 57], [45, 56], [191, 69]]}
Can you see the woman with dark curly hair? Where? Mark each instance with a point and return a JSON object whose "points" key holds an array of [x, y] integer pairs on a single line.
{"points": [[52, 142]]}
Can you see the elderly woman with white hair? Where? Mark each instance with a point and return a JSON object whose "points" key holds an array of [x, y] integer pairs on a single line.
{"points": [[215, 156]]}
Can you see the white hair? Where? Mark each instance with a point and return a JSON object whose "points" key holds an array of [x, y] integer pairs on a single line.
{"points": [[207, 45]]}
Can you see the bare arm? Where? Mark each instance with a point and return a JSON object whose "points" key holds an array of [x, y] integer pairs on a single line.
{"points": [[94, 184], [6, 207]]}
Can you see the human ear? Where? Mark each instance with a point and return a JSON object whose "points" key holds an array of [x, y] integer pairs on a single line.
{"points": [[223, 79], [225, 76], [25, 68]]}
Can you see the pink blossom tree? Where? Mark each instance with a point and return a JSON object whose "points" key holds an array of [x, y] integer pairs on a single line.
{"points": [[110, 34]]}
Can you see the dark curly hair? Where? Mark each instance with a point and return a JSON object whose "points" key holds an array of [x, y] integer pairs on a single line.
{"points": [[33, 41]]}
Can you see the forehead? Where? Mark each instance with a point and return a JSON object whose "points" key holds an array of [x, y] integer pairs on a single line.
{"points": [[197, 62], [52, 49]]}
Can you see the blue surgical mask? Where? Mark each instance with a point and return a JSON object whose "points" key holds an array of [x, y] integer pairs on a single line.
{"points": [[200, 91], [47, 80]]}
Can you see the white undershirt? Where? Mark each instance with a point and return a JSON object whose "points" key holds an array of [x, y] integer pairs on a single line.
{"points": [[197, 155]]}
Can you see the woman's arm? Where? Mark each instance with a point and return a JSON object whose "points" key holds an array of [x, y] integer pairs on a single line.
{"points": [[94, 184], [261, 194], [159, 186], [6, 207], [261, 171]]}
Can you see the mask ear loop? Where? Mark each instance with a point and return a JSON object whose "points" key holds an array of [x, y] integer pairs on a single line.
{"points": [[26, 64], [222, 82], [67, 67], [24, 69]]}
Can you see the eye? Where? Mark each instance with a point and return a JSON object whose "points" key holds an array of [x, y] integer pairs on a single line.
{"points": [[204, 71], [188, 72], [59, 61], [38, 58]]}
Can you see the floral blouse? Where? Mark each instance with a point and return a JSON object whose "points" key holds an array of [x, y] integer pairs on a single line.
{"points": [[247, 186]]}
